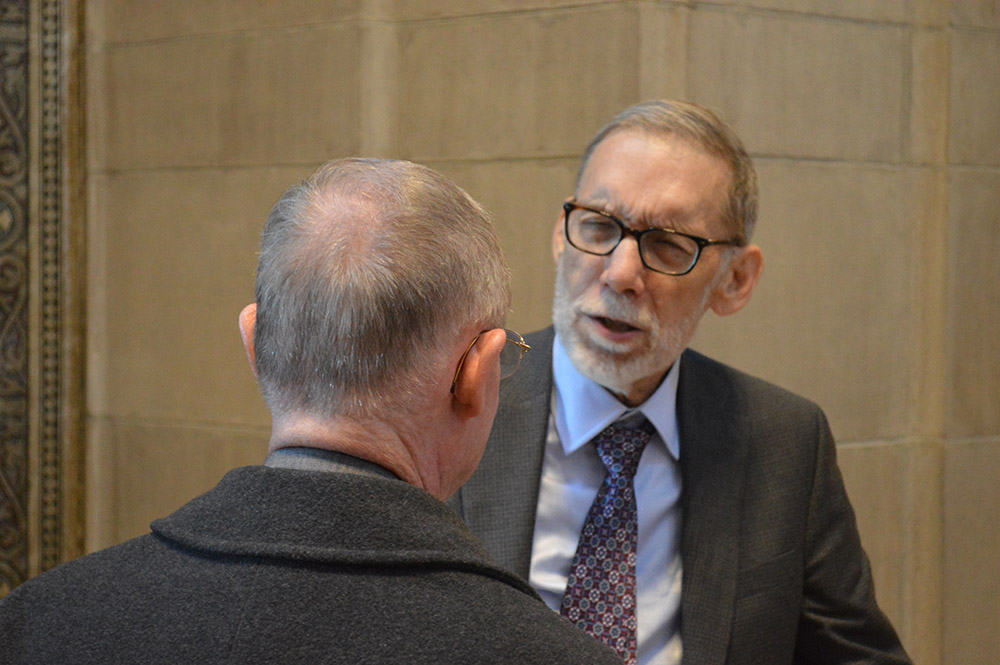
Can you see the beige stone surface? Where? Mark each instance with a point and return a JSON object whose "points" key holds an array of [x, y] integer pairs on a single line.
{"points": [[514, 85], [929, 204], [833, 315], [802, 86], [247, 99], [972, 553], [876, 478], [102, 475], [181, 258], [975, 97], [379, 88], [96, 101], [159, 466], [883, 10], [98, 309], [920, 625], [411, 10], [980, 13], [931, 12], [929, 93], [148, 20], [663, 39], [524, 199], [974, 291]]}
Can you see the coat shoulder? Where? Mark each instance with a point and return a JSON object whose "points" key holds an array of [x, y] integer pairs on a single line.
{"points": [[703, 374]]}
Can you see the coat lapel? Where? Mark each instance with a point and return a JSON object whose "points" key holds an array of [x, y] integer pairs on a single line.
{"points": [[499, 501], [713, 464]]}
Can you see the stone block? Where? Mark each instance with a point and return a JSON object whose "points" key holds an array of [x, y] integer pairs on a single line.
{"points": [[886, 10], [181, 258], [972, 553], [663, 41], [243, 99], [920, 627], [977, 13], [875, 477], [98, 309], [802, 86], [96, 109], [929, 92], [161, 466], [407, 10], [100, 472], [974, 303], [833, 315], [524, 199], [148, 20], [514, 85], [975, 97]]}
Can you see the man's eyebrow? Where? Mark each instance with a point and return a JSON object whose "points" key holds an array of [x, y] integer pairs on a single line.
{"points": [[605, 200], [622, 212]]}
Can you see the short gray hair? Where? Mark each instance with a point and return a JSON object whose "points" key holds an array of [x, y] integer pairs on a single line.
{"points": [[368, 272], [698, 124]]}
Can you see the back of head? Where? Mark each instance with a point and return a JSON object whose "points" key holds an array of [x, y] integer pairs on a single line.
{"points": [[368, 271], [702, 127]]}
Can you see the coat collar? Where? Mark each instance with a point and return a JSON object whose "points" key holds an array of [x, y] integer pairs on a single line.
{"points": [[324, 517], [714, 430]]}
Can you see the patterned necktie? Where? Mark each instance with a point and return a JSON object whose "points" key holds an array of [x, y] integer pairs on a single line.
{"points": [[600, 591]]}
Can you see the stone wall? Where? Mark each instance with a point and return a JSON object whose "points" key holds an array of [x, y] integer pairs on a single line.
{"points": [[874, 126]]}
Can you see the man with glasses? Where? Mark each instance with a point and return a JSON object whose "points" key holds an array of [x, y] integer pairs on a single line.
{"points": [[377, 341], [675, 508]]}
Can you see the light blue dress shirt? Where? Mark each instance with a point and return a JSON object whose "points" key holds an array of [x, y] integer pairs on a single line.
{"points": [[572, 473]]}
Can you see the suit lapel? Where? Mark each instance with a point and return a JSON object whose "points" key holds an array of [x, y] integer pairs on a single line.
{"points": [[713, 464], [499, 501]]}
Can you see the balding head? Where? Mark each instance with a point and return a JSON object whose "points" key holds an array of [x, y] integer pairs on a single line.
{"points": [[368, 271]]}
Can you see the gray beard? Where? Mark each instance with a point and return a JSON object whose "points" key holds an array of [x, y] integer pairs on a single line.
{"points": [[619, 367]]}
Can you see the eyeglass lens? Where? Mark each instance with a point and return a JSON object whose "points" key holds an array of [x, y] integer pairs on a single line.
{"points": [[510, 356], [660, 249]]}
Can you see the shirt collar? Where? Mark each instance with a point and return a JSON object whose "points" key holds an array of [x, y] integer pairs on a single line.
{"points": [[584, 408], [306, 458]]}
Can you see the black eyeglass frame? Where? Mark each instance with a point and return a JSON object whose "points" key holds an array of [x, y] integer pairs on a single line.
{"points": [[700, 243]]}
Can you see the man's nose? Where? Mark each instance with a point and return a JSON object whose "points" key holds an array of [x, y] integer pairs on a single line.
{"points": [[623, 268]]}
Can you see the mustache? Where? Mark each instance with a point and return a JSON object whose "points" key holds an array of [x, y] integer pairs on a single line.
{"points": [[610, 305]]}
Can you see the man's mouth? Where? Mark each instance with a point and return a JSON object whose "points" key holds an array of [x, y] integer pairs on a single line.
{"points": [[614, 325]]}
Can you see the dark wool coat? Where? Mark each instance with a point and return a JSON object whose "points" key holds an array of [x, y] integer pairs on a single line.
{"points": [[279, 565]]}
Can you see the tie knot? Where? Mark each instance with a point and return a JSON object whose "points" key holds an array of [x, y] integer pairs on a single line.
{"points": [[621, 443]]}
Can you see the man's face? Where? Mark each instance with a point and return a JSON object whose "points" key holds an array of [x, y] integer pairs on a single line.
{"points": [[622, 324]]}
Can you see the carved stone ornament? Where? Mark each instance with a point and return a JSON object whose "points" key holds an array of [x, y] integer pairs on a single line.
{"points": [[40, 228]]}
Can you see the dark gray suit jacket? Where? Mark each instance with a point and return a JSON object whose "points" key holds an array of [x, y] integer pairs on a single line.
{"points": [[774, 572], [277, 565]]}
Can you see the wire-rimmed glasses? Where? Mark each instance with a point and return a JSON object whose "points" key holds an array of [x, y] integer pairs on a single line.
{"points": [[510, 355]]}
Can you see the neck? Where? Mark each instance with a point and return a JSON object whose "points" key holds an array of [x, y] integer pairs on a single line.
{"points": [[368, 439], [639, 391]]}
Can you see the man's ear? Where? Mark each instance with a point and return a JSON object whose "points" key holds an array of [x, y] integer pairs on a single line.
{"points": [[479, 374], [558, 237], [248, 322], [734, 290]]}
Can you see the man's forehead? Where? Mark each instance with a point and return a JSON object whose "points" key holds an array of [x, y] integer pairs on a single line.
{"points": [[608, 200], [674, 218], [654, 180]]}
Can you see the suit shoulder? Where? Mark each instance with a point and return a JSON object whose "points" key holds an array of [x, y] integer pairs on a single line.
{"points": [[761, 395]]}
